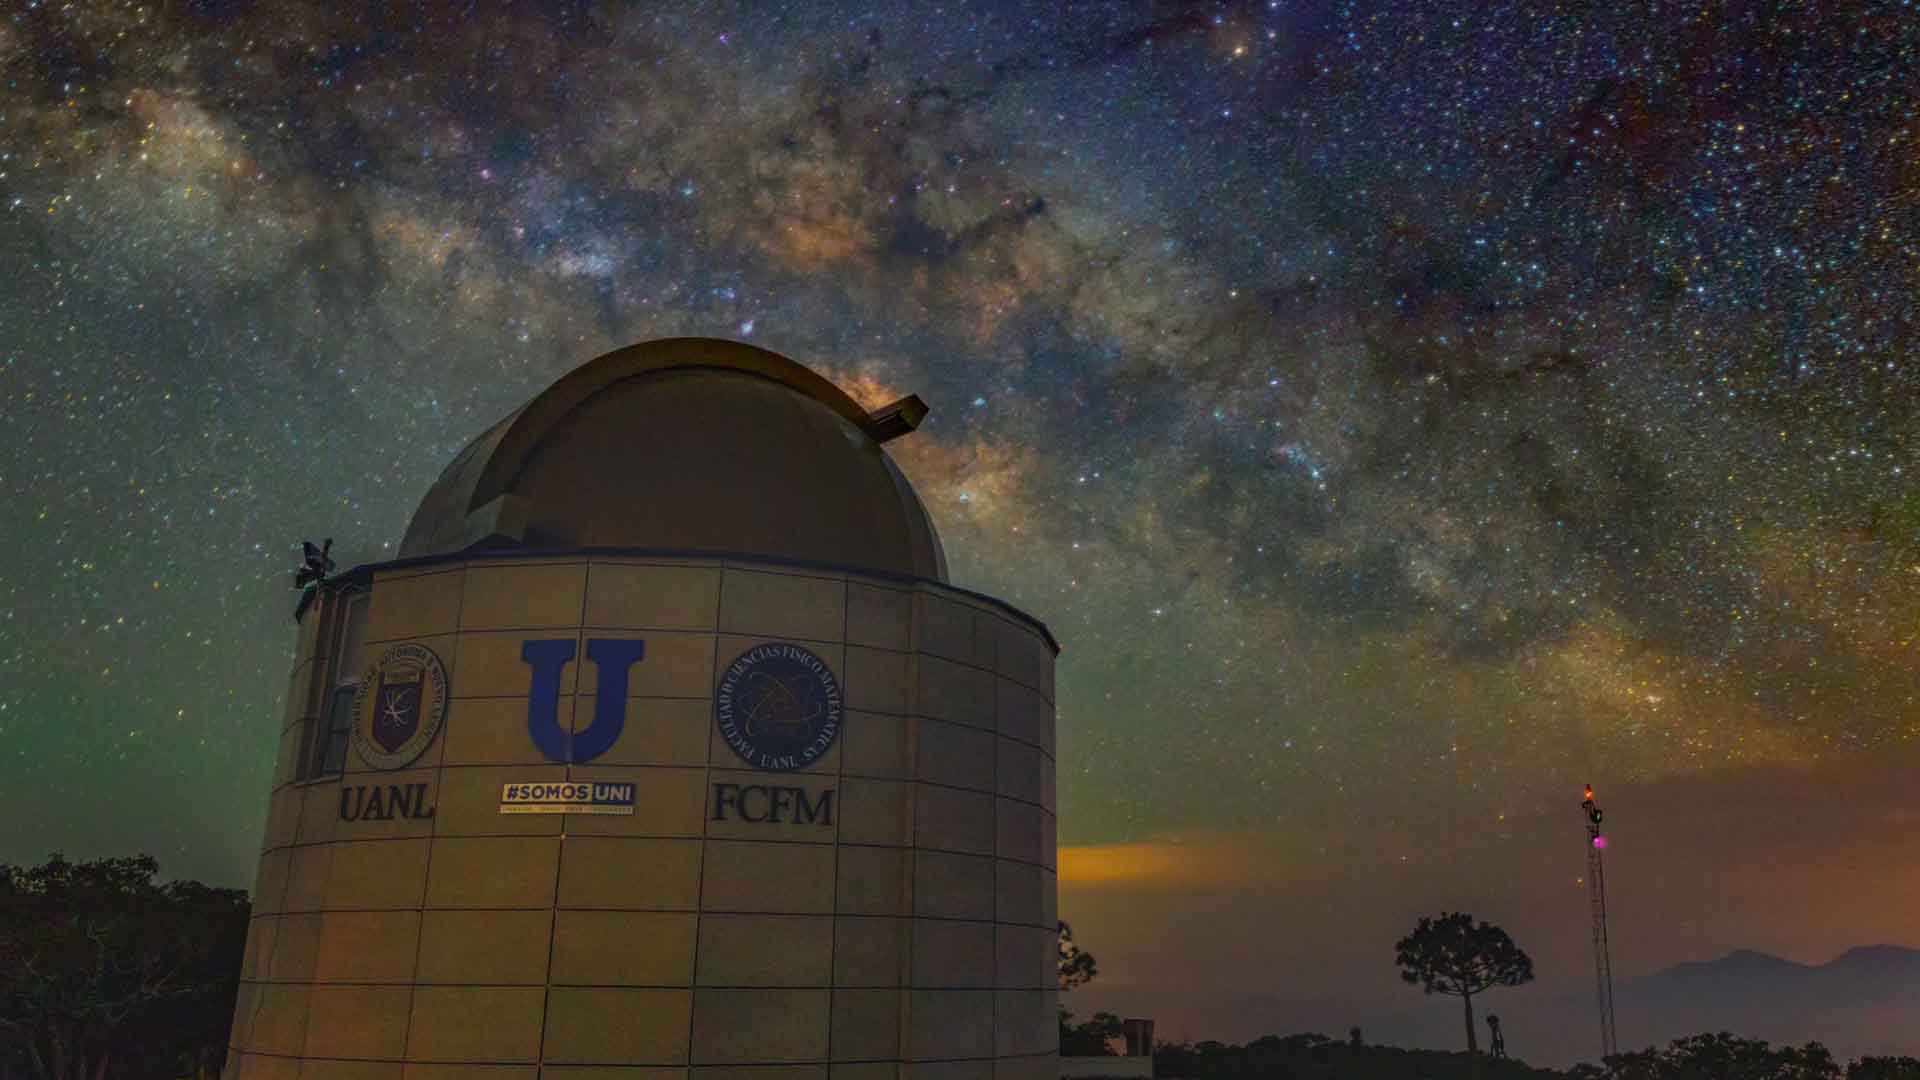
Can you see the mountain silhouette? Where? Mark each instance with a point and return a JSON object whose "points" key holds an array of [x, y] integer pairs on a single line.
{"points": [[1855, 973], [1877, 960], [1741, 963], [1866, 998]]}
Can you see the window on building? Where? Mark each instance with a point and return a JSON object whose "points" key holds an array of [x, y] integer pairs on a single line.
{"points": [[346, 630]]}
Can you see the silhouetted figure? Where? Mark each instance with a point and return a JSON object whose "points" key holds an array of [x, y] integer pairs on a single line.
{"points": [[1353, 1038], [1498, 1047]]}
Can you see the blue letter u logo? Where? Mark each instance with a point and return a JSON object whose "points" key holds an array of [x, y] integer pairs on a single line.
{"points": [[548, 659]]}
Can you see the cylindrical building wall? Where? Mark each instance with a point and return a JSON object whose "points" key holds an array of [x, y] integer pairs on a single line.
{"points": [[875, 889]]}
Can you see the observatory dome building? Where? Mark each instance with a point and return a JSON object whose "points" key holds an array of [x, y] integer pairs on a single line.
{"points": [[663, 748]]}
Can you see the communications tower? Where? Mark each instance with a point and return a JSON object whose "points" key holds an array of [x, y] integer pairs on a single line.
{"points": [[1597, 898]]}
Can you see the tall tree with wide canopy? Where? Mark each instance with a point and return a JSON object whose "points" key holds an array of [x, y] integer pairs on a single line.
{"points": [[1451, 955]]}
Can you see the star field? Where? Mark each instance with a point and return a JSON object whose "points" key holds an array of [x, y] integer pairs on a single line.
{"points": [[1402, 413]]}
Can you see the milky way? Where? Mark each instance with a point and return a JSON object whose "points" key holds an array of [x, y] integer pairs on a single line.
{"points": [[1401, 413]]}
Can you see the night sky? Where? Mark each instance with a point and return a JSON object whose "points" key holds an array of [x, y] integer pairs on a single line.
{"points": [[1402, 413]]}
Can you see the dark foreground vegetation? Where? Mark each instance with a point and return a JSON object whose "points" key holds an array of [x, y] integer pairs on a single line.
{"points": [[1454, 956], [1701, 1057], [107, 974]]}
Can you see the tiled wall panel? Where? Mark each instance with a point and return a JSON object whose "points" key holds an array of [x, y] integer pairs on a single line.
{"points": [[902, 927]]}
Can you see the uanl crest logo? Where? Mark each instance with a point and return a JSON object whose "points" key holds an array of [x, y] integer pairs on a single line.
{"points": [[778, 707], [400, 706]]}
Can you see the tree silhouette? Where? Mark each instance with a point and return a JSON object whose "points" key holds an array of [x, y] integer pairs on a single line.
{"points": [[1450, 955], [1093, 1038], [1720, 1055], [1076, 967], [1884, 1068], [105, 972]]}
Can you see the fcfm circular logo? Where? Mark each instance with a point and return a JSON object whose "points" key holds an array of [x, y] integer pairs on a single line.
{"points": [[398, 709], [778, 707]]}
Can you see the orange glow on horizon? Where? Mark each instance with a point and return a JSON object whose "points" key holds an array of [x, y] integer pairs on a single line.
{"points": [[1151, 864]]}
